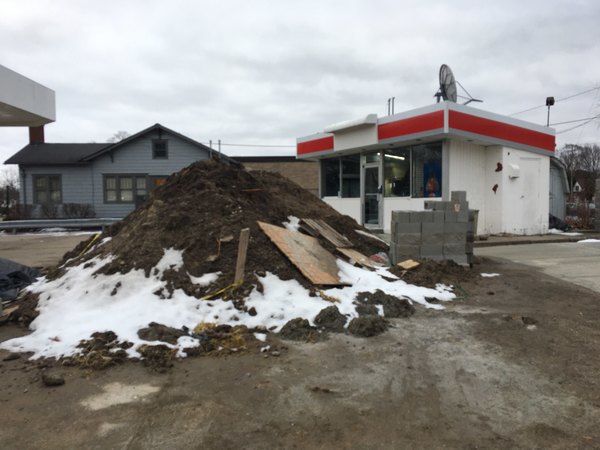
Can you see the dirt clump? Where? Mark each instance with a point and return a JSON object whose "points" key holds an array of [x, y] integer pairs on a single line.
{"points": [[331, 319], [363, 309], [393, 307], [157, 357], [430, 273], [367, 326], [157, 332], [103, 350], [299, 330]]}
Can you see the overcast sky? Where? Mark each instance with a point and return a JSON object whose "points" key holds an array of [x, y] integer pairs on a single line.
{"points": [[267, 72]]}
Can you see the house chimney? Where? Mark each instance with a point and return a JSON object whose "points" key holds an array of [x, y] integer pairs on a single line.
{"points": [[36, 135]]}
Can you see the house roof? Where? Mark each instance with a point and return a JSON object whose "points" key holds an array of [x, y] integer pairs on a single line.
{"points": [[54, 154], [61, 154]]}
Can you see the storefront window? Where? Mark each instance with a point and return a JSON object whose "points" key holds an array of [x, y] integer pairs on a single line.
{"points": [[427, 170], [414, 171], [351, 176], [396, 172], [330, 176]]}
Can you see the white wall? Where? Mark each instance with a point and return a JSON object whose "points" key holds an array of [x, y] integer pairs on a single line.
{"points": [[347, 206], [525, 195], [467, 167]]}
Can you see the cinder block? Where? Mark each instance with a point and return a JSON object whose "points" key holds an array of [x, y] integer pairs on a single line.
{"points": [[400, 217], [416, 217], [455, 238], [450, 216], [409, 239], [439, 216], [449, 206], [469, 247], [402, 228], [455, 227], [462, 215], [432, 228], [426, 216], [402, 252], [458, 196], [432, 251], [455, 249], [429, 204]]}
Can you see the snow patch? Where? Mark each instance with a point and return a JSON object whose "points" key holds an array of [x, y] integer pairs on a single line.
{"points": [[490, 275], [563, 233], [293, 224], [588, 241], [206, 279]]}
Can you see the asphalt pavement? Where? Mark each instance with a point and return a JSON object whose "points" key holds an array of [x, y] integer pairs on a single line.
{"points": [[575, 262]]}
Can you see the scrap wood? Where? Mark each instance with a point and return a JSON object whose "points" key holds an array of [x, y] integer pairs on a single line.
{"points": [[8, 311], [359, 258], [328, 298], [409, 264], [305, 252], [318, 227], [241, 259]]}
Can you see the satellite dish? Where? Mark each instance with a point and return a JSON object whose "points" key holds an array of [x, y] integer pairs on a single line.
{"points": [[448, 90], [447, 84]]}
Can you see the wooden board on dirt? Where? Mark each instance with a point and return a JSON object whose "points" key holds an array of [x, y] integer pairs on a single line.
{"points": [[359, 258], [320, 227], [305, 252], [409, 264], [6, 311]]}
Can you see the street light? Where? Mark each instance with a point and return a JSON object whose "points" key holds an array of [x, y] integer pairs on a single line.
{"points": [[549, 103]]}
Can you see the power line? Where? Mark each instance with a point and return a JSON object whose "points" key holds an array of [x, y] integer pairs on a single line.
{"points": [[572, 121], [558, 100], [580, 125]]}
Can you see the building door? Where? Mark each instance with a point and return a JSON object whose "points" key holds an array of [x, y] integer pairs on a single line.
{"points": [[372, 190]]}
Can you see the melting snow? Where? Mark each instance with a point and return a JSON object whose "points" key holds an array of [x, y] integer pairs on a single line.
{"points": [[588, 241], [293, 224], [80, 303], [490, 275]]}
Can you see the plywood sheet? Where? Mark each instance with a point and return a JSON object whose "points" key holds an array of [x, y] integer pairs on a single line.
{"points": [[359, 258], [320, 227], [305, 252]]}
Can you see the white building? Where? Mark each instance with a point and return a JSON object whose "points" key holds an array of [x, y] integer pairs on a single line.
{"points": [[373, 166]]}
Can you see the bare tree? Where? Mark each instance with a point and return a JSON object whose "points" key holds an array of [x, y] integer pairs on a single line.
{"points": [[583, 165], [118, 136], [9, 188]]}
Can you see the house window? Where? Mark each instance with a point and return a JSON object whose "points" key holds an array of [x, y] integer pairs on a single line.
{"points": [[160, 149], [47, 189], [125, 188], [414, 171]]}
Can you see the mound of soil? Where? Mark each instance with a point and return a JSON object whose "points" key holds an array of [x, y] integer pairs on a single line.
{"points": [[429, 273], [299, 330], [393, 307], [201, 210], [367, 326], [331, 319]]}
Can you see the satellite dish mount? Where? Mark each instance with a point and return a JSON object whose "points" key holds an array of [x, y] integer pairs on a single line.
{"points": [[448, 91]]}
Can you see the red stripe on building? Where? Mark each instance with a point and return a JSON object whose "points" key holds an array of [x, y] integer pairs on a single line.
{"points": [[418, 124], [499, 130], [318, 145]]}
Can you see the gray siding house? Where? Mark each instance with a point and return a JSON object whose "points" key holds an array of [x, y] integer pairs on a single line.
{"points": [[101, 180]]}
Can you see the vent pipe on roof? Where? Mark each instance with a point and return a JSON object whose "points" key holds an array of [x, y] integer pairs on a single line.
{"points": [[36, 135]]}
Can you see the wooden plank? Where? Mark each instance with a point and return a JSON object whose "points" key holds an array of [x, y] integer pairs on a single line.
{"points": [[241, 258], [322, 228], [409, 264], [8, 310], [359, 258], [316, 264]]}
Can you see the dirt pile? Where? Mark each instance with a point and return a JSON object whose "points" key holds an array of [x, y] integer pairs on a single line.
{"points": [[201, 210]]}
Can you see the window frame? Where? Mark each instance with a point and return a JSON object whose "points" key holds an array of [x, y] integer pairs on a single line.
{"points": [[48, 191], [117, 176], [154, 149]]}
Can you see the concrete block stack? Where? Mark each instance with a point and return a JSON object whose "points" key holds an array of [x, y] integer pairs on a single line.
{"points": [[445, 230]]}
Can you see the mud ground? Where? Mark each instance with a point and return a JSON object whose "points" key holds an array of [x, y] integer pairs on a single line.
{"points": [[472, 376]]}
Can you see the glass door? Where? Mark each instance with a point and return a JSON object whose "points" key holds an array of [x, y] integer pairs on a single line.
{"points": [[371, 196]]}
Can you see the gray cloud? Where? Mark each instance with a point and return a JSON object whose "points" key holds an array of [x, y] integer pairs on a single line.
{"points": [[267, 72]]}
